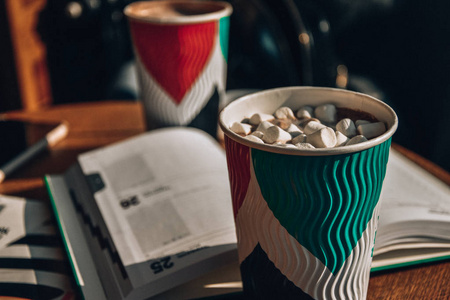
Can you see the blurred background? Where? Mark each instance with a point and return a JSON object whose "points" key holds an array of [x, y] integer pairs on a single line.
{"points": [[61, 51]]}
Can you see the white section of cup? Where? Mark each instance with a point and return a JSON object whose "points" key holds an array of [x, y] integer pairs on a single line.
{"points": [[268, 101], [218, 10]]}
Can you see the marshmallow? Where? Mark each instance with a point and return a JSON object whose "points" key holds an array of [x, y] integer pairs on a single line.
{"points": [[257, 118], [326, 113], [294, 130], [284, 113], [287, 145], [241, 128], [258, 134], [312, 127], [341, 139], [360, 122], [323, 138], [304, 146], [276, 134], [347, 127], [282, 123], [306, 112], [372, 130], [262, 127], [302, 123], [301, 138], [356, 140], [254, 138]]}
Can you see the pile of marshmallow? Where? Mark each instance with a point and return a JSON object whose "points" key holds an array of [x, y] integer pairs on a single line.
{"points": [[309, 128]]}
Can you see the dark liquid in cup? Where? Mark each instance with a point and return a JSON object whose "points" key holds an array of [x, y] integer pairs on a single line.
{"points": [[354, 115]]}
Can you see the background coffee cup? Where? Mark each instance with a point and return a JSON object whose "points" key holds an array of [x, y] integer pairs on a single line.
{"points": [[306, 220], [181, 50]]}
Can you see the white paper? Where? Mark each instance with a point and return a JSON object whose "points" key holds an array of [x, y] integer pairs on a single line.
{"points": [[414, 204], [408, 185], [159, 199], [13, 225]]}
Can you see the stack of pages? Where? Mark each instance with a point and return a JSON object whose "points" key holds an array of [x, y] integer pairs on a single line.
{"points": [[414, 225]]}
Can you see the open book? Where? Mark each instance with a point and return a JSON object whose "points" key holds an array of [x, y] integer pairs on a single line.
{"points": [[145, 215], [142, 216], [414, 224]]}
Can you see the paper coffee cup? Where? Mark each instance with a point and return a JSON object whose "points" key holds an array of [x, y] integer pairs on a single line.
{"points": [[181, 56], [306, 220]]}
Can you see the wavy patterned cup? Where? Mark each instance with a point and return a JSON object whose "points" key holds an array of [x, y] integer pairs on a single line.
{"points": [[306, 220], [181, 58]]}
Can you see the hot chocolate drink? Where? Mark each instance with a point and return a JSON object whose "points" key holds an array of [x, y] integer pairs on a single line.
{"points": [[323, 126]]}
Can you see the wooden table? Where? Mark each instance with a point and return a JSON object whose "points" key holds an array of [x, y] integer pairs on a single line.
{"points": [[96, 124]]}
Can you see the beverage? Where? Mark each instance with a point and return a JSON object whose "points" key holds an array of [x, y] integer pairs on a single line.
{"points": [[333, 127], [181, 60], [306, 218]]}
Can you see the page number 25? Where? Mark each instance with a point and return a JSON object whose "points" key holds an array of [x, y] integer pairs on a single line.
{"points": [[161, 265]]}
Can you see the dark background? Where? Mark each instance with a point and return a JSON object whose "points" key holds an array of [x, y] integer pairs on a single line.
{"points": [[397, 50]]}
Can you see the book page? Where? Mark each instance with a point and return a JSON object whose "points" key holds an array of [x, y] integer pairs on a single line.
{"points": [[408, 185], [32, 261], [165, 192], [412, 195], [19, 217]]}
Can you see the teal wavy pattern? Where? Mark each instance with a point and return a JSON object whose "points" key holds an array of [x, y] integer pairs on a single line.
{"points": [[324, 202], [224, 29]]}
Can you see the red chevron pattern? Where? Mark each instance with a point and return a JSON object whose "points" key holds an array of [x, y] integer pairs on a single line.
{"points": [[186, 50], [238, 160]]}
